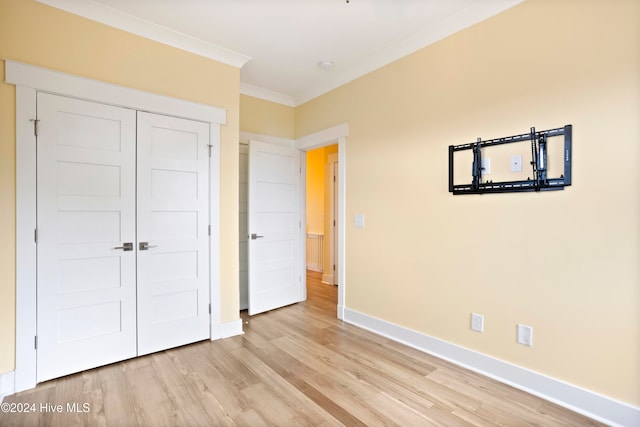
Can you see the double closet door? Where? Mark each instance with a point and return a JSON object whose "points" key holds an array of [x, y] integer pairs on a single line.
{"points": [[122, 234]]}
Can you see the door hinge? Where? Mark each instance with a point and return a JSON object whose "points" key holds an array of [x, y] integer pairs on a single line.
{"points": [[35, 235], [209, 308], [334, 267], [210, 147], [209, 229], [35, 126], [35, 342]]}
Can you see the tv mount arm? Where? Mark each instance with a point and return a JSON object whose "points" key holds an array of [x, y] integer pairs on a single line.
{"points": [[477, 165], [539, 158], [540, 180]]}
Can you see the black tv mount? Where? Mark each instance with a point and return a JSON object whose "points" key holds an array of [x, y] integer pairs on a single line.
{"points": [[540, 180]]}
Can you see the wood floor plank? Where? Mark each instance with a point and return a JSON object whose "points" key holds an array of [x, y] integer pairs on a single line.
{"points": [[295, 366], [214, 387], [117, 397], [250, 418], [340, 383], [399, 412], [304, 408], [180, 390]]}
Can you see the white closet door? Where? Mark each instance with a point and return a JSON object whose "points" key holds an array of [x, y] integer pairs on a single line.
{"points": [[86, 315], [173, 219]]}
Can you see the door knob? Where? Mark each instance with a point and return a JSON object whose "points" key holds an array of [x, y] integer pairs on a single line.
{"points": [[143, 246], [125, 247], [254, 236]]}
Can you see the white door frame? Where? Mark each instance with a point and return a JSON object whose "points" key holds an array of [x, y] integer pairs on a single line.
{"points": [[29, 80], [334, 207], [329, 136]]}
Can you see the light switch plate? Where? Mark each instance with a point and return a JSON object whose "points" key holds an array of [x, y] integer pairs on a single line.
{"points": [[358, 220], [486, 165], [516, 163]]}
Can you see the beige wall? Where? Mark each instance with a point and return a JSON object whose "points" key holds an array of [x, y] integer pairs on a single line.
{"points": [[36, 34], [266, 118], [565, 262]]}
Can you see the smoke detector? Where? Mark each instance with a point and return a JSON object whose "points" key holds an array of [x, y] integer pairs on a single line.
{"points": [[325, 65]]}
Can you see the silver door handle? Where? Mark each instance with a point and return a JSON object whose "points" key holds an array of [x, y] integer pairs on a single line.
{"points": [[254, 236], [125, 247], [143, 246]]}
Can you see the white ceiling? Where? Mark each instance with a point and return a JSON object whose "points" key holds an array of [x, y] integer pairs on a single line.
{"points": [[279, 43]]}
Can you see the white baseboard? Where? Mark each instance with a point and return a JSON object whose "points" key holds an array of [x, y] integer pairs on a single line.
{"points": [[227, 329], [328, 279], [7, 384], [314, 267], [589, 403]]}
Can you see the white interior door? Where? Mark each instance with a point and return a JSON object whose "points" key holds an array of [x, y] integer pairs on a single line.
{"points": [[275, 221], [86, 304], [173, 239], [244, 226]]}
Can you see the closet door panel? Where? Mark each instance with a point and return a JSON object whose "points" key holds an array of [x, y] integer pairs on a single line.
{"points": [[86, 291], [173, 239]]}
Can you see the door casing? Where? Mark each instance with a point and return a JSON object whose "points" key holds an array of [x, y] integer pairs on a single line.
{"points": [[334, 135], [29, 80]]}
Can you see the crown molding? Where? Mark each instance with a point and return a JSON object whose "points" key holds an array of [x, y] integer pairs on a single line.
{"points": [[140, 27], [267, 95]]}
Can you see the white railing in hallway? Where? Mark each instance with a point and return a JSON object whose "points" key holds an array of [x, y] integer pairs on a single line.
{"points": [[315, 252]]}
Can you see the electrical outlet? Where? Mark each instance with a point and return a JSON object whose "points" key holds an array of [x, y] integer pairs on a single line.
{"points": [[477, 322], [525, 335], [358, 220]]}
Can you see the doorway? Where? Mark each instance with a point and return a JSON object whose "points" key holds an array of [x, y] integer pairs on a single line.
{"points": [[322, 208], [336, 135]]}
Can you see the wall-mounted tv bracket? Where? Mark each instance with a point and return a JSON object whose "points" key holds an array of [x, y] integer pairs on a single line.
{"points": [[539, 182]]}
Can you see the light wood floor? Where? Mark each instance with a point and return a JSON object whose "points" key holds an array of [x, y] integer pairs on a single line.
{"points": [[296, 366]]}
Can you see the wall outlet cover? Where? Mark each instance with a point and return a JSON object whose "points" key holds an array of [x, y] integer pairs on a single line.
{"points": [[525, 335], [516, 163], [477, 322]]}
